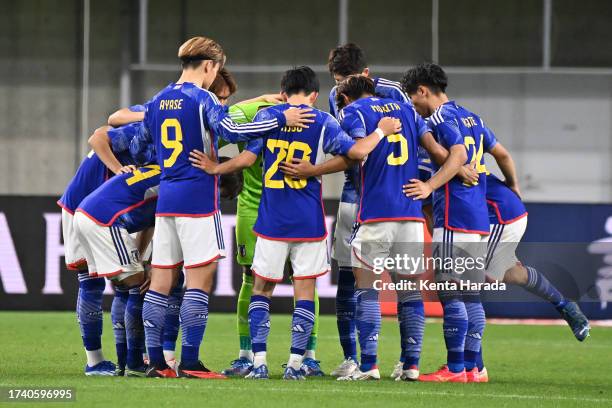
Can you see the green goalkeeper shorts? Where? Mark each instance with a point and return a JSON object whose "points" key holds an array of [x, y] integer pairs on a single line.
{"points": [[245, 238]]}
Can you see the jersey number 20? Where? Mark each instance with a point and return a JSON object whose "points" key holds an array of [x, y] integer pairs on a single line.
{"points": [[175, 144], [286, 151]]}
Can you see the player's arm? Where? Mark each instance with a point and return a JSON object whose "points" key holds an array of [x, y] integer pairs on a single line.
{"points": [[386, 126], [303, 169], [100, 142], [450, 136], [124, 116], [467, 173], [220, 121], [267, 98], [506, 165], [203, 162]]}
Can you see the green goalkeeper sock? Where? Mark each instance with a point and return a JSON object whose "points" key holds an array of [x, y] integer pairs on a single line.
{"points": [[242, 314], [311, 347]]}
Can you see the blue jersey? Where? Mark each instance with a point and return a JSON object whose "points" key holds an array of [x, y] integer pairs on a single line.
{"points": [[391, 164], [92, 172], [505, 206], [458, 206], [184, 117], [127, 200], [384, 89], [292, 209]]}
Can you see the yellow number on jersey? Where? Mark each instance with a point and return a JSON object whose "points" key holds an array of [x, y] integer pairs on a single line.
{"points": [[175, 145], [139, 175], [282, 145], [477, 156], [392, 160], [286, 151]]}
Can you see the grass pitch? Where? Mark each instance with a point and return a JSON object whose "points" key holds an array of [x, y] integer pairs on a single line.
{"points": [[528, 366]]}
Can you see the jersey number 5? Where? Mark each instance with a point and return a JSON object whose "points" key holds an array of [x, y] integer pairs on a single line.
{"points": [[393, 160], [286, 151], [175, 144]]}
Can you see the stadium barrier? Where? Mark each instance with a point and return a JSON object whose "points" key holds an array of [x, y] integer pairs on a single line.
{"points": [[569, 243]]}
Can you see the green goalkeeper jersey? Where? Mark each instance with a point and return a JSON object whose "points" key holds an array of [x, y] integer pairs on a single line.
{"points": [[248, 200]]}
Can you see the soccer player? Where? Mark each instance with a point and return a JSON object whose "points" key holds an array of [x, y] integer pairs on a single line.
{"points": [[92, 173], [345, 60], [184, 117], [103, 222], [460, 211]]}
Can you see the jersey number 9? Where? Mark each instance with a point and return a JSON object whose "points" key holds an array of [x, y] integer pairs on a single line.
{"points": [[286, 151], [175, 145]]}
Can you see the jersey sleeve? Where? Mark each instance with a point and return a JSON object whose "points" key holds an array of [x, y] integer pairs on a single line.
{"points": [[446, 128], [142, 148], [121, 137], [333, 107], [335, 140], [220, 122], [137, 108], [489, 139], [421, 126], [352, 123], [255, 146]]}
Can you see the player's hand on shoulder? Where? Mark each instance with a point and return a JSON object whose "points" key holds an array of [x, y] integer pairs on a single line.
{"points": [[390, 125], [298, 168], [417, 189], [202, 161], [125, 169], [468, 174], [299, 117]]}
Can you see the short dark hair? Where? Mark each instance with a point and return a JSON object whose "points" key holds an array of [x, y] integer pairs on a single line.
{"points": [[230, 184], [348, 59], [427, 74], [353, 87], [300, 79]]}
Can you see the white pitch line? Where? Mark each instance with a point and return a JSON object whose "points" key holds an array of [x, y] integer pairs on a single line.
{"points": [[450, 393]]}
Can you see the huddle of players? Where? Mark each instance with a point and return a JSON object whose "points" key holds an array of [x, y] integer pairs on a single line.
{"points": [[177, 191]]}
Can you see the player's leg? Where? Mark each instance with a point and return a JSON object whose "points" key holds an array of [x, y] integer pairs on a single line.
{"points": [[245, 242], [308, 261], [172, 323], [455, 320], [89, 303], [167, 256], [118, 306], [118, 259], [345, 295], [475, 333], [311, 366], [203, 245], [268, 267]]}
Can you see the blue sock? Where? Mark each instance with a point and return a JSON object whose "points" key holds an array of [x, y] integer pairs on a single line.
{"points": [[194, 316], [402, 333], [172, 325], [118, 320], [134, 328], [154, 315], [479, 361], [345, 312], [455, 327], [301, 325], [367, 316], [475, 330], [412, 324], [540, 286], [259, 322], [89, 310]]}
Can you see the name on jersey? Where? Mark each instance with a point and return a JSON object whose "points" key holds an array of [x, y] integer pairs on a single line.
{"points": [[170, 104], [292, 129], [468, 122], [387, 107]]}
